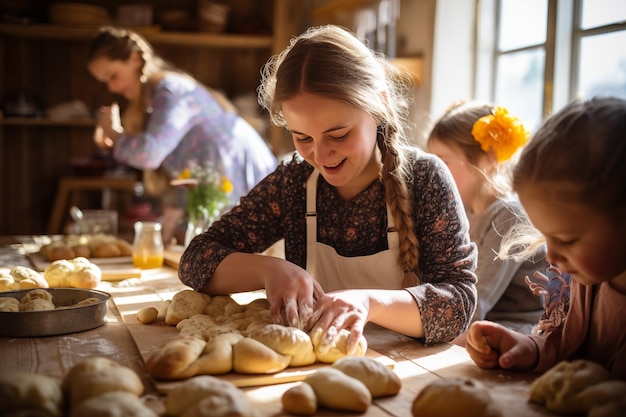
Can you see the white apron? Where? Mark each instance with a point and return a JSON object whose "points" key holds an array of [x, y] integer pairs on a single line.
{"points": [[336, 272]]}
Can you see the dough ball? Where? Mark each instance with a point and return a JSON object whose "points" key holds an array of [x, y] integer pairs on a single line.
{"points": [[37, 304], [206, 395], [147, 315], [459, 397], [58, 272], [28, 278], [113, 404], [88, 301], [338, 391], [556, 387], [379, 379], [300, 400], [20, 391], [185, 304], [97, 375], [37, 294], [9, 304]]}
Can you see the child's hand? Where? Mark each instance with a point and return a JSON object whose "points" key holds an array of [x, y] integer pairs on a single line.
{"points": [[490, 345]]}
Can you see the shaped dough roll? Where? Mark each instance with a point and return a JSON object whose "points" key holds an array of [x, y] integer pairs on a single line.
{"points": [[185, 304], [287, 341]]}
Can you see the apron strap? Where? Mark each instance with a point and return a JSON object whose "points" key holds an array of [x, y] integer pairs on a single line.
{"points": [[311, 214], [311, 206]]}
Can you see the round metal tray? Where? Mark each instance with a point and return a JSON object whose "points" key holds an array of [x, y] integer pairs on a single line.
{"points": [[59, 321]]}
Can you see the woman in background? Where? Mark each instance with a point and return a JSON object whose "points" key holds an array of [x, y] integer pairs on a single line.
{"points": [[171, 120], [479, 142]]}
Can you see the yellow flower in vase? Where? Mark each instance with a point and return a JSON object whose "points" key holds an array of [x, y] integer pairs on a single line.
{"points": [[206, 193]]}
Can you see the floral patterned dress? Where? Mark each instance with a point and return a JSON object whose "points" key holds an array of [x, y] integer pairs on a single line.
{"points": [[275, 209]]}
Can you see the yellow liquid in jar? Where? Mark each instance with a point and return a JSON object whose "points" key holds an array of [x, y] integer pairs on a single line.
{"points": [[148, 261]]}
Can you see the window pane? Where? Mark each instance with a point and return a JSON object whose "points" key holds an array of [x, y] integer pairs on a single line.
{"points": [[602, 12], [519, 85], [602, 69], [522, 23]]}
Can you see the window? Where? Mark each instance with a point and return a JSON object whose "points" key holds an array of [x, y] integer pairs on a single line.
{"points": [[537, 55]]}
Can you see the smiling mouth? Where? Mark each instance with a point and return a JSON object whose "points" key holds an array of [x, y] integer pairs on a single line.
{"points": [[335, 166]]}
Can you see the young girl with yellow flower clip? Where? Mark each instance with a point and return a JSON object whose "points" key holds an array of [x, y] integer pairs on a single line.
{"points": [[479, 142]]}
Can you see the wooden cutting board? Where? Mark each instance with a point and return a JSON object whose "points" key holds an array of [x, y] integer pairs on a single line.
{"points": [[151, 337]]}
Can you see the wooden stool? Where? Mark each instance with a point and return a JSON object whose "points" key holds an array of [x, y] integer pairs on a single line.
{"points": [[69, 185]]}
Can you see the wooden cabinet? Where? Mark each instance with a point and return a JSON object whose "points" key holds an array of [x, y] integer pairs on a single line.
{"points": [[47, 61]]}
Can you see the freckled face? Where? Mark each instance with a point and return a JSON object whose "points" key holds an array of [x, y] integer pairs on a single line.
{"points": [[120, 77], [581, 240], [337, 139]]}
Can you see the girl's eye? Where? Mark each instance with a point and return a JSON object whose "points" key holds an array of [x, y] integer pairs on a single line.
{"points": [[302, 139], [340, 137], [566, 242]]}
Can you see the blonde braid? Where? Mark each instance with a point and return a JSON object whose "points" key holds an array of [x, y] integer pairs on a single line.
{"points": [[398, 198]]}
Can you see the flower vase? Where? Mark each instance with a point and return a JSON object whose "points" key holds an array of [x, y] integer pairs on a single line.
{"points": [[195, 226]]}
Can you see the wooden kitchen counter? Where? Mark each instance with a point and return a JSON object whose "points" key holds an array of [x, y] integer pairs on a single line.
{"points": [[128, 342]]}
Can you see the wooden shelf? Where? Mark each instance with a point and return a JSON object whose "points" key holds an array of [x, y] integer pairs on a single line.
{"points": [[214, 40], [43, 121]]}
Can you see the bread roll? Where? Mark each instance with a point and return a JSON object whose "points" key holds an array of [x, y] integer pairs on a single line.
{"points": [[9, 304], [58, 272], [459, 397], [58, 250], [37, 304], [147, 315], [7, 282], [126, 249], [172, 360], [113, 404], [570, 387], [300, 400], [39, 394], [337, 349], [287, 341], [28, 278], [105, 250], [85, 274], [97, 375], [338, 391], [379, 379], [217, 356], [207, 396], [185, 304], [253, 357], [81, 250]]}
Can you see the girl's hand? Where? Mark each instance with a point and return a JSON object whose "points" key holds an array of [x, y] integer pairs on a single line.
{"points": [[291, 293], [490, 345], [345, 309], [109, 126]]}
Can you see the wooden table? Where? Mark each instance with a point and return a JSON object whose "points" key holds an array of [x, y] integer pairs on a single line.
{"points": [[416, 364]]}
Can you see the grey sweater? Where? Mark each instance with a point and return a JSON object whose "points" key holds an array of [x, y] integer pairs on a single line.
{"points": [[503, 295]]}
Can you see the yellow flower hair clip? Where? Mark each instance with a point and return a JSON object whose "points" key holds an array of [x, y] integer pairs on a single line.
{"points": [[500, 132]]}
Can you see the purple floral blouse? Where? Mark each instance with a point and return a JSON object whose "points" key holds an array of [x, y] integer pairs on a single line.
{"points": [[275, 209], [187, 123]]}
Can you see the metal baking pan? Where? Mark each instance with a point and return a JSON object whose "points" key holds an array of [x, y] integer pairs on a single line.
{"points": [[62, 320]]}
